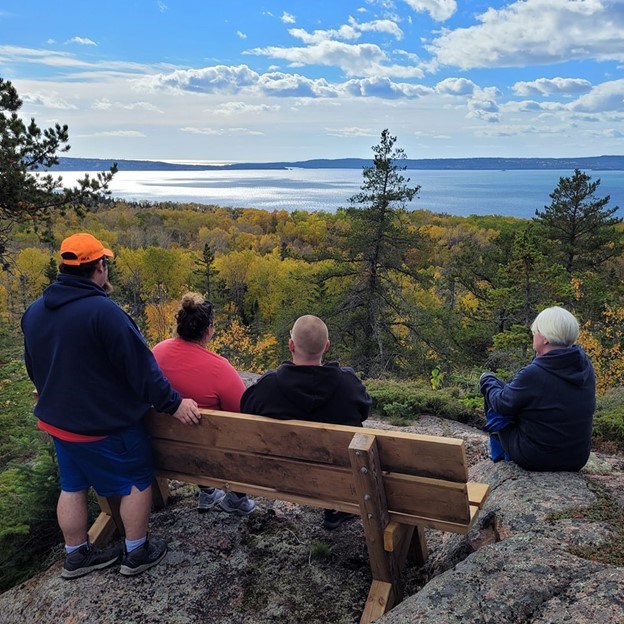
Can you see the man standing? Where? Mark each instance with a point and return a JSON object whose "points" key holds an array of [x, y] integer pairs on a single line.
{"points": [[96, 379], [306, 389]]}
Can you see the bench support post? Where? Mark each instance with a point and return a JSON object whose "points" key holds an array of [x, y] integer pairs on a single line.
{"points": [[108, 523], [385, 566]]}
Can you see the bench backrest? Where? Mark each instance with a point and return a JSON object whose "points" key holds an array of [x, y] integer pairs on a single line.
{"points": [[424, 477]]}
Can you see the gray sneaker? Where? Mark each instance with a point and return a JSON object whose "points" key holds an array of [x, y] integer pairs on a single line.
{"points": [[239, 505], [209, 498], [87, 558], [144, 557]]}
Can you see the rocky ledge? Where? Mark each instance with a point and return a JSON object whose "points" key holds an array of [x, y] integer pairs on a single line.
{"points": [[532, 557]]}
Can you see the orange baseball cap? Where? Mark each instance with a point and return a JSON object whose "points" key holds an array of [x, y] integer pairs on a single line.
{"points": [[82, 248]]}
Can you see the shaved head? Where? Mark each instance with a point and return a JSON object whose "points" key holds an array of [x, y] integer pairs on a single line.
{"points": [[310, 336]]}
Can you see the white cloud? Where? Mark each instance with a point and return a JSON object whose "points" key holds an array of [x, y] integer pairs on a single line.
{"points": [[351, 132], [129, 134], [241, 35], [287, 18], [605, 97], [384, 88], [219, 78], [365, 59], [220, 131], [348, 32], [82, 41], [552, 86], [440, 10], [536, 32], [49, 100], [162, 7], [242, 108], [456, 86], [106, 104]]}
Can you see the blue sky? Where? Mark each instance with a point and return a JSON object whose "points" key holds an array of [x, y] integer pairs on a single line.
{"points": [[256, 80]]}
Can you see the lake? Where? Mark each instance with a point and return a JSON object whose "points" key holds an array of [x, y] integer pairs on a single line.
{"points": [[511, 193]]}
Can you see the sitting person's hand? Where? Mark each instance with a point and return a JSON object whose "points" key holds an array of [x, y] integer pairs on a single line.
{"points": [[188, 412]]}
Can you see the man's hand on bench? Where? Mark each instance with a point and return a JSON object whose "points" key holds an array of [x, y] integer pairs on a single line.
{"points": [[188, 412]]}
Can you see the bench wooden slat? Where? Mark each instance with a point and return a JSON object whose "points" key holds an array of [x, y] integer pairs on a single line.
{"points": [[420, 496], [421, 455], [477, 493]]}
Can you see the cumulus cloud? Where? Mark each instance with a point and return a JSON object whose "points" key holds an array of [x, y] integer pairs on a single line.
{"points": [[348, 32], [384, 88], [365, 59], [241, 35], [439, 10], [49, 100], [287, 18], [162, 7], [82, 41], [605, 97], [456, 86], [552, 86], [219, 78], [536, 32]]}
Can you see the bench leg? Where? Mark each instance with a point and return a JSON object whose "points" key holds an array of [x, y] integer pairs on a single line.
{"points": [[378, 601], [385, 566], [108, 523], [160, 492]]}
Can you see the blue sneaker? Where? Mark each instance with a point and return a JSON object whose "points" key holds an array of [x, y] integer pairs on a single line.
{"points": [[209, 498], [239, 505]]}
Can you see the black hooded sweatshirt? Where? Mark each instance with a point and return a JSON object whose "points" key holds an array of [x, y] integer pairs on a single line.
{"points": [[328, 393], [552, 401]]}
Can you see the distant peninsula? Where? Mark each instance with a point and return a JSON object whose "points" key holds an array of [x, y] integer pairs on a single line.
{"points": [[597, 163]]}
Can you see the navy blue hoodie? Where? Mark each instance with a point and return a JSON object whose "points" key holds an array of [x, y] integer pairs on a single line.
{"points": [[552, 401], [92, 369], [328, 393]]}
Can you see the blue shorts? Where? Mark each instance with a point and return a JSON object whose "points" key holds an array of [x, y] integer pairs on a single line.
{"points": [[111, 466]]}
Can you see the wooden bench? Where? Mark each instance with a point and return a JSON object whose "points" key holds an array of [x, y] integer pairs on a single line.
{"points": [[399, 483]]}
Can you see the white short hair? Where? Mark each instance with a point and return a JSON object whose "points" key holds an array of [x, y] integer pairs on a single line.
{"points": [[557, 325]]}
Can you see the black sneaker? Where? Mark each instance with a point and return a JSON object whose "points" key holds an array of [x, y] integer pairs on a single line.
{"points": [[333, 519], [143, 557], [87, 558]]}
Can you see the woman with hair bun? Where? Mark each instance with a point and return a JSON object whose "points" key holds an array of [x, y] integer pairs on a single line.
{"points": [[543, 416], [198, 373]]}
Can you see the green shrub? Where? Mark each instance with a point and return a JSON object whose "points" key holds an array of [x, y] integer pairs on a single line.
{"points": [[609, 428], [403, 402]]}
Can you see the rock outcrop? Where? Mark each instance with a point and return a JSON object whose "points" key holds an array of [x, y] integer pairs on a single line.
{"points": [[520, 563]]}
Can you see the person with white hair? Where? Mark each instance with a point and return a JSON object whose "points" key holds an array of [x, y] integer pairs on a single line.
{"points": [[543, 416]]}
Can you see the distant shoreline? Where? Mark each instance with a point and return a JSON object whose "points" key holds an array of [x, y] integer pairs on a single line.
{"points": [[589, 163]]}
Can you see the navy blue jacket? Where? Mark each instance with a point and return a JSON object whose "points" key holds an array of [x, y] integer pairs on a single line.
{"points": [[328, 393], [90, 365], [552, 401]]}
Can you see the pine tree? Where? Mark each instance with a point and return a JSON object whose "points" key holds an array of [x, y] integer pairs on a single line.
{"points": [[375, 245], [581, 227], [26, 196]]}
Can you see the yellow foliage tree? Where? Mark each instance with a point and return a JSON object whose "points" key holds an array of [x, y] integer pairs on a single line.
{"points": [[160, 320], [236, 343], [603, 344]]}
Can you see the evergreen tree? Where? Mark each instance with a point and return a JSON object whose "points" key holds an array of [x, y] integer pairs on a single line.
{"points": [[28, 197], [582, 229], [375, 244]]}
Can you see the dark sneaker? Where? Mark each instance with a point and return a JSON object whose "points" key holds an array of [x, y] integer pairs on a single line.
{"points": [[87, 558], [209, 498], [144, 557], [333, 519], [239, 505]]}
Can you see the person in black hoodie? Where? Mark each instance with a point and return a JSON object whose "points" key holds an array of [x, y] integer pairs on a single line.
{"points": [[544, 414], [307, 389]]}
